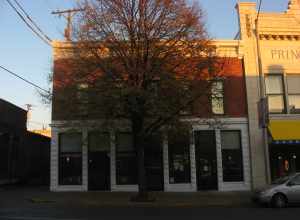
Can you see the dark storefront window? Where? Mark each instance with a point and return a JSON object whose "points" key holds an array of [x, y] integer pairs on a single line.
{"points": [[232, 156], [179, 158], [293, 84], [275, 93], [70, 159], [126, 160], [284, 159]]}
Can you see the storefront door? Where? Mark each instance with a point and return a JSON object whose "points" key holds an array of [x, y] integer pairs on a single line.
{"points": [[154, 163], [99, 161], [99, 170], [206, 160]]}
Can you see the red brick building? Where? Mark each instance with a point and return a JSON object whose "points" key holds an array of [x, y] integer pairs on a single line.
{"points": [[86, 154]]}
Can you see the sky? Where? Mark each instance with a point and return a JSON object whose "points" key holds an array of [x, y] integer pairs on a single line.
{"points": [[25, 54]]}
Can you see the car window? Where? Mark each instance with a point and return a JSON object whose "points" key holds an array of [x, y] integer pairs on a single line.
{"points": [[296, 180], [281, 180]]}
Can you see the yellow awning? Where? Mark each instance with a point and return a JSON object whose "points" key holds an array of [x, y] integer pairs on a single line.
{"points": [[285, 130]]}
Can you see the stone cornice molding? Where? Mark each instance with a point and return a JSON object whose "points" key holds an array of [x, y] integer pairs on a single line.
{"points": [[294, 7], [279, 37]]}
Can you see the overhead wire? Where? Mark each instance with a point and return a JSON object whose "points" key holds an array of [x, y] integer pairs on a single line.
{"points": [[25, 80], [32, 21], [259, 9], [28, 25]]}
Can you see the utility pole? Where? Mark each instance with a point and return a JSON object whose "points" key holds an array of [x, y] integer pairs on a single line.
{"points": [[29, 108], [68, 15]]}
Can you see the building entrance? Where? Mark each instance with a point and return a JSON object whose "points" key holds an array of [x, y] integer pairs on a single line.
{"points": [[206, 160], [99, 162], [154, 163]]}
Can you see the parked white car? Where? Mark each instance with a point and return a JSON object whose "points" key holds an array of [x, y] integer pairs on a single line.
{"points": [[280, 193]]}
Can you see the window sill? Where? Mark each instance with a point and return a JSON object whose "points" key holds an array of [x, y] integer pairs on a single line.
{"points": [[284, 116]]}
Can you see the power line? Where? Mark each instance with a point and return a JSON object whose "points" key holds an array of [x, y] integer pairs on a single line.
{"points": [[32, 21], [259, 9], [27, 24], [25, 80]]}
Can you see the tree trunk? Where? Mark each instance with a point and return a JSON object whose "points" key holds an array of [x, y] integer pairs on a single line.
{"points": [[138, 140], [141, 169]]}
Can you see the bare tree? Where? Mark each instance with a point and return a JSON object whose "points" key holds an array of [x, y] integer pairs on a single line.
{"points": [[145, 61]]}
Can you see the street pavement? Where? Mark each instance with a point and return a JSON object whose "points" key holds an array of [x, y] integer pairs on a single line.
{"points": [[39, 204]]}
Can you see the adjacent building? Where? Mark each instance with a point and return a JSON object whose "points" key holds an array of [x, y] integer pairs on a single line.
{"points": [[245, 137], [271, 48], [12, 129], [24, 156]]}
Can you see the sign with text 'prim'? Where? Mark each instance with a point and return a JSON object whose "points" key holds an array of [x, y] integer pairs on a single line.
{"points": [[285, 54]]}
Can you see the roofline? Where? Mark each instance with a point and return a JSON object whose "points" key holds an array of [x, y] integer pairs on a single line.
{"points": [[20, 108]]}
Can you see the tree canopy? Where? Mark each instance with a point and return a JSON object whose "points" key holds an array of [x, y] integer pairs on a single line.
{"points": [[146, 61]]}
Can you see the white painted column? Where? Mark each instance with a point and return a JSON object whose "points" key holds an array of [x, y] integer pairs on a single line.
{"points": [[165, 161], [219, 159], [85, 159], [113, 160], [54, 159], [246, 157], [193, 161]]}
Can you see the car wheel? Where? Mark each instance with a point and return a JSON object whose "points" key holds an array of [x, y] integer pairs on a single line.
{"points": [[279, 201]]}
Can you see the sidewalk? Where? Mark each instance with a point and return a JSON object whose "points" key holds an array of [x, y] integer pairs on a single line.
{"points": [[34, 196]]}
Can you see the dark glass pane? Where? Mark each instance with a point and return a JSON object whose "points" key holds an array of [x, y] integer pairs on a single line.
{"points": [[126, 160], [70, 169], [232, 156], [179, 158], [70, 159], [126, 168], [70, 142], [99, 141], [125, 142]]}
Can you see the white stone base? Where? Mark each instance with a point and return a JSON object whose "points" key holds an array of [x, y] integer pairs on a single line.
{"points": [[240, 124]]}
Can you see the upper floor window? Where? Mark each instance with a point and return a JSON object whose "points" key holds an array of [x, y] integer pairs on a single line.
{"points": [[275, 93], [217, 97], [293, 89], [283, 95], [187, 94], [82, 92], [83, 98]]}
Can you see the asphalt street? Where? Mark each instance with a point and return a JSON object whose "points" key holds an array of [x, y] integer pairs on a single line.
{"points": [[40, 204], [86, 213]]}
